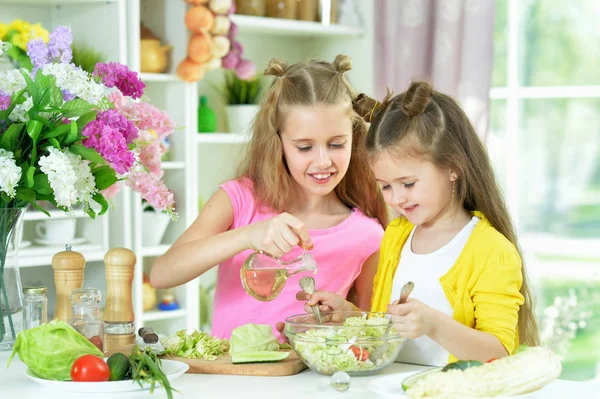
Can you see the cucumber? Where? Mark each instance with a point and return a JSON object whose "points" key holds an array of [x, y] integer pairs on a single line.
{"points": [[258, 357], [119, 366], [410, 381], [462, 365]]}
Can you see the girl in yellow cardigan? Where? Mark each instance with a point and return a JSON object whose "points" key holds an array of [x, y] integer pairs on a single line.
{"points": [[454, 238]]}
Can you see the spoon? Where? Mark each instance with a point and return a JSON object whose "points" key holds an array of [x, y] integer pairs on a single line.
{"points": [[377, 353], [307, 284]]}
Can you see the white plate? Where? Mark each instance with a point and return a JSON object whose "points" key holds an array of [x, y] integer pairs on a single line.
{"points": [[74, 241], [390, 386], [172, 369]]}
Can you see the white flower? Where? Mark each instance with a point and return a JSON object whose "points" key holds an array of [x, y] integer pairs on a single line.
{"points": [[19, 113], [10, 173], [76, 81], [11, 81], [69, 176]]}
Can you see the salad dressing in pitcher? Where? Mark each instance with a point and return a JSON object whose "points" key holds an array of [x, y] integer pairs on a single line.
{"points": [[264, 276]]}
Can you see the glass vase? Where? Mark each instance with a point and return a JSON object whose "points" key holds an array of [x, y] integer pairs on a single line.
{"points": [[11, 296]]}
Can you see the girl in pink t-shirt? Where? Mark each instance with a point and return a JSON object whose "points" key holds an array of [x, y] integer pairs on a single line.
{"points": [[306, 182]]}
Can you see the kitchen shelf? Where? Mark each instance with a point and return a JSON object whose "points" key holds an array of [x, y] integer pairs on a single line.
{"points": [[56, 214], [158, 77], [163, 314], [173, 165], [222, 138], [52, 2], [155, 251], [289, 27], [42, 256]]}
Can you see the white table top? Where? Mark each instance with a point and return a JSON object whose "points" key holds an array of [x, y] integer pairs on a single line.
{"points": [[308, 384]]}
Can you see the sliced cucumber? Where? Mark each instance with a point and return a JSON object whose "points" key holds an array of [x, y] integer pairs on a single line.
{"points": [[410, 381], [258, 357]]}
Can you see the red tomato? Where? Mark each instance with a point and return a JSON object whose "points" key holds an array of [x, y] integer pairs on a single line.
{"points": [[90, 368], [361, 354], [492, 359]]}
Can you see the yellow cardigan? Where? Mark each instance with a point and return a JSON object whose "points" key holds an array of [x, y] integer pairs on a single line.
{"points": [[482, 286]]}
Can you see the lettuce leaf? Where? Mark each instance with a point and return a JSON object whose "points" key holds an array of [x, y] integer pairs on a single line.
{"points": [[253, 338], [197, 345], [51, 349]]}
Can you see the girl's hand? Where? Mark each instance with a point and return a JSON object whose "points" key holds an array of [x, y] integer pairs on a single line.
{"points": [[413, 318], [327, 301], [277, 236]]}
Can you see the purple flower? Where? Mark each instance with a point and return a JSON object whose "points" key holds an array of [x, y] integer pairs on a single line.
{"points": [[118, 75], [60, 44], [67, 96], [4, 101], [245, 70], [110, 135], [38, 53]]}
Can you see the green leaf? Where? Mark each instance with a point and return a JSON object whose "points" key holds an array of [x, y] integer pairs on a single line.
{"points": [[99, 198], [75, 108], [72, 136], [25, 194], [62, 129], [32, 88], [45, 83], [29, 176], [91, 212], [87, 153], [85, 119], [54, 143], [33, 129], [41, 185], [39, 208], [104, 176], [8, 139]]}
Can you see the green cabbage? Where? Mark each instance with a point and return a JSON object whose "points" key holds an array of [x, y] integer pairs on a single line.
{"points": [[253, 338], [51, 349]]}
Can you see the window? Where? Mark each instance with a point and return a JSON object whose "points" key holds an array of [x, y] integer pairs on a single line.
{"points": [[545, 143]]}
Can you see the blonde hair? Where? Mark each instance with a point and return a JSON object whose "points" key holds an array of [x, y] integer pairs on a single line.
{"points": [[308, 84], [432, 124]]}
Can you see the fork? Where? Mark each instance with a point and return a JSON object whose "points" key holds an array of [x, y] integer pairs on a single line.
{"points": [[307, 284], [377, 353]]}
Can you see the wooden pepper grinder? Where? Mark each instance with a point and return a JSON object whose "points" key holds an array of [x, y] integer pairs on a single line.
{"points": [[68, 276], [119, 335]]}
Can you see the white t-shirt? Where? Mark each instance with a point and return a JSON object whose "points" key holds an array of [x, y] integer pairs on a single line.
{"points": [[425, 270]]}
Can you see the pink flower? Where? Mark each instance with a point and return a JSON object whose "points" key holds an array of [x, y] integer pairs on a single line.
{"points": [[143, 115], [245, 70], [118, 75], [152, 189], [112, 191], [150, 152]]}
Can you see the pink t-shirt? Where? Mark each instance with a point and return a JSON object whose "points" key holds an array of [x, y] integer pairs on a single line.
{"points": [[339, 251]]}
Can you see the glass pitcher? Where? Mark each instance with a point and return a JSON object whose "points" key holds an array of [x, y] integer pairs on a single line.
{"points": [[86, 314], [264, 276]]}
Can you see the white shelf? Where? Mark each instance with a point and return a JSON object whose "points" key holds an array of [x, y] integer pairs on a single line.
{"points": [[42, 256], [169, 165], [163, 314], [561, 246], [158, 77], [55, 214], [155, 251], [222, 138], [52, 2], [290, 27]]}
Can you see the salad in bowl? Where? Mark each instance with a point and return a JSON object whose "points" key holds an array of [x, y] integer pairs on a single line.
{"points": [[359, 343]]}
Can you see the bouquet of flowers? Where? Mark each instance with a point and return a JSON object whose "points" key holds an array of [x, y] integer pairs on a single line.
{"points": [[71, 137]]}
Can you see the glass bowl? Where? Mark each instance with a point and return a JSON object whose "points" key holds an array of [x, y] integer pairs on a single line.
{"points": [[347, 341]]}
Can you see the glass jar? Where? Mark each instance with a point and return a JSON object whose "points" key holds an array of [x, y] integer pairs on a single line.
{"points": [[285, 9], [35, 307], [86, 315], [257, 8]]}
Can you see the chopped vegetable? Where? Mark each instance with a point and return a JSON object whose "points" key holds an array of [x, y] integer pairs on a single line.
{"points": [[198, 345], [51, 349], [90, 368], [258, 357], [253, 338]]}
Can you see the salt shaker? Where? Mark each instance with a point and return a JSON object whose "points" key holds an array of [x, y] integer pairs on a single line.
{"points": [[68, 276], [35, 303], [119, 335]]}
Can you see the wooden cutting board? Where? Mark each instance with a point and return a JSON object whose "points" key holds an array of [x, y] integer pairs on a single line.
{"points": [[222, 365]]}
